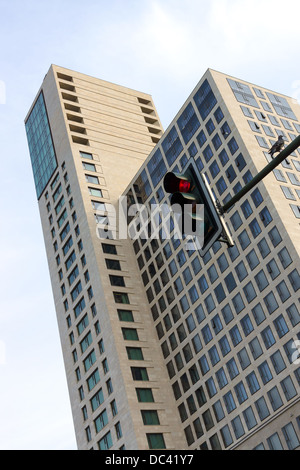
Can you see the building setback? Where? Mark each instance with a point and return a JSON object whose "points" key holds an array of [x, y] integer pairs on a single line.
{"points": [[163, 348]]}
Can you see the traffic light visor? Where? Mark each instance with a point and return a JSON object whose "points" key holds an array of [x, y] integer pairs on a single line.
{"points": [[173, 182]]}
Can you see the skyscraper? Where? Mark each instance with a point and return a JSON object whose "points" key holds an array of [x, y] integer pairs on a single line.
{"points": [[164, 348]]}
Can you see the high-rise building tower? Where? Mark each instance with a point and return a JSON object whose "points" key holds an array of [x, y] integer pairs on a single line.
{"points": [[164, 348]]}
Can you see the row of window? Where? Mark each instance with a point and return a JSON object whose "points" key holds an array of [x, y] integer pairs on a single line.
{"points": [[287, 434], [73, 271], [292, 178], [244, 94], [134, 353], [159, 266], [129, 334]]}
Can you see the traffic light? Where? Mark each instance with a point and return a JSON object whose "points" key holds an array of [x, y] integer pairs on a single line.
{"points": [[193, 200]]}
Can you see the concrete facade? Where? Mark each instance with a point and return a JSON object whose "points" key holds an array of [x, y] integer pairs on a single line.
{"points": [[163, 349], [117, 128], [226, 321]]}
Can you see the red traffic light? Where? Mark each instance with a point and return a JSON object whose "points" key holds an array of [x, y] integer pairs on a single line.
{"points": [[173, 182]]}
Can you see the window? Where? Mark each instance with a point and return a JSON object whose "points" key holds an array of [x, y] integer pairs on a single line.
{"points": [[294, 279], [255, 228], [275, 236], [244, 239], [95, 192], [274, 442], [249, 418], [205, 99], [283, 291], [101, 421], [134, 353], [117, 281], [130, 334], [275, 398], [222, 262], [265, 216], [232, 368], [224, 346], [144, 395], [150, 417], [221, 185], [262, 408], [214, 355], [226, 436], [206, 333], [288, 388], [125, 315], [113, 264], [203, 363], [139, 373], [86, 155], [118, 429], [230, 282], [92, 179], [265, 372], [238, 303], [249, 292], [247, 325], [208, 420], [156, 441], [240, 392], [229, 402], [74, 274], [238, 427], [89, 166], [201, 138], [233, 146], [86, 342], [290, 436], [218, 411], [106, 442], [221, 378], [261, 280], [76, 291], [278, 362], [281, 326], [203, 284], [41, 148], [121, 297], [218, 114], [227, 314], [188, 123], [293, 314], [235, 335], [89, 361], [225, 130], [241, 271], [208, 153], [252, 383], [172, 147], [223, 157], [268, 337]]}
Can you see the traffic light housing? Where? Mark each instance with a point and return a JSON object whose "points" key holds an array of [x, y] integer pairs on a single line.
{"points": [[193, 200]]}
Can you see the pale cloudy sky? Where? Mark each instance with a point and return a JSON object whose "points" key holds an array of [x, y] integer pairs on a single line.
{"points": [[161, 47]]}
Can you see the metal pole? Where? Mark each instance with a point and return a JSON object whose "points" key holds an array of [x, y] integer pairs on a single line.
{"points": [[264, 172]]}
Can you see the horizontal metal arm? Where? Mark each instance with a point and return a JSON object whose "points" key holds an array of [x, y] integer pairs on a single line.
{"points": [[264, 172]]}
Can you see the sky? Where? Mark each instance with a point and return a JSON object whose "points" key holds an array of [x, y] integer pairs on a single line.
{"points": [[160, 47]]}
